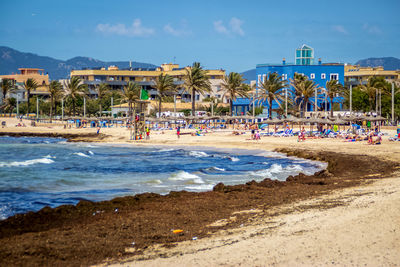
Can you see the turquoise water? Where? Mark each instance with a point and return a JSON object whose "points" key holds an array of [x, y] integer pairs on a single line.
{"points": [[39, 172]]}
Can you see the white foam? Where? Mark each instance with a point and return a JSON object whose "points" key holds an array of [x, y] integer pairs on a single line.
{"points": [[198, 154], [234, 159], [156, 181], [50, 157], [182, 176], [90, 152], [81, 154], [26, 163], [166, 150], [202, 187], [218, 169]]}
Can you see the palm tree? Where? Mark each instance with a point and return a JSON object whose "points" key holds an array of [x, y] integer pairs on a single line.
{"points": [[304, 90], [55, 90], [333, 88], [73, 89], [233, 87], [30, 84], [196, 80], [9, 105], [271, 89], [6, 86], [130, 94], [102, 91], [164, 84], [370, 90]]}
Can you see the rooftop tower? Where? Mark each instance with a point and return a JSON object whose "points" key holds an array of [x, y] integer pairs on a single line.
{"points": [[304, 55]]}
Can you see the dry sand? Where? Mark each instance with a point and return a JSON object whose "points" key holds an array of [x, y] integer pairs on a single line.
{"points": [[360, 228]]}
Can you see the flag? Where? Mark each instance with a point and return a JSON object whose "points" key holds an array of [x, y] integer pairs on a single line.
{"points": [[144, 95]]}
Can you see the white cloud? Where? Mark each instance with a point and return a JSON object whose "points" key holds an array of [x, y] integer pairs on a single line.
{"points": [[373, 29], [340, 29], [236, 26], [219, 27], [135, 30], [175, 32]]}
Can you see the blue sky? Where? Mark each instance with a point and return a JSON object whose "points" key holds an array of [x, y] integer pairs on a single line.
{"points": [[233, 35]]}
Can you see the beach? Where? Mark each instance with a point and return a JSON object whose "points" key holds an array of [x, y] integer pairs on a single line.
{"points": [[347, 215]]}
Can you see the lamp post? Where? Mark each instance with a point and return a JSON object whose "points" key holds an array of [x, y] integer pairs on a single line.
{"points": [[62, 109], [392, 103], [37, 107], [286, 102], [17, 105], [351, 97], [84, 107]]}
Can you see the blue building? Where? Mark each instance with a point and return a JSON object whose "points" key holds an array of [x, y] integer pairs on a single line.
{"points": [[319, 73]]}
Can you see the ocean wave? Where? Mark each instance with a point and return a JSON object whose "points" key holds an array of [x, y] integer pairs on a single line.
{"points": [[215, 169], [202, 187], [50, 157], [166, 150], [182, 176], [155, 181], [276, 170], [26, 162], [81, 154], [90, 152], [198, 154], [232, 158]]}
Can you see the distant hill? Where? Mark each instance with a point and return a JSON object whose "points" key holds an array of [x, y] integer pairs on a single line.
{"points": [[388, 63], [249, 75], [11, 60]]}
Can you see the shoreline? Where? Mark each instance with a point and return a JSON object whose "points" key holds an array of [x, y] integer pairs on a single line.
{"points": [[147, 219]]}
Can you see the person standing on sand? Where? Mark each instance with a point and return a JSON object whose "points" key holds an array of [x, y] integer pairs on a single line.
{"points": [[147, 133], [178, 131], [98, 129]]}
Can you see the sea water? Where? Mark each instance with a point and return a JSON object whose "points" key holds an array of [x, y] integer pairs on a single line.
{"points": [[37, 172]]}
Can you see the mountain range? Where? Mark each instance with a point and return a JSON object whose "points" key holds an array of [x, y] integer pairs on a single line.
{"points": [[11, 60]]}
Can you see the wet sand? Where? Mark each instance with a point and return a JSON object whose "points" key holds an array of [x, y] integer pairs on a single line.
{"points": [[328, 218]]}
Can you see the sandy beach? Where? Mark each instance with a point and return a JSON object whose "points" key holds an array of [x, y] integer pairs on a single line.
{"points": [[349, 215]]}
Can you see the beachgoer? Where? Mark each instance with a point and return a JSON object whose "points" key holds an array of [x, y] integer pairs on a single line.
{"points": [[147, 133], [302, 135], [178, 131], [98, 130]]}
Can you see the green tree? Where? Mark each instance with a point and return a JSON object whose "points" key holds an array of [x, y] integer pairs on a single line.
{"points": [[370, 90], [333, 89], [196, 81], [102, 90], [55, 90], [164, 84], [29, 85], [73, 90], [271, 89], [233, 87], [130, 94], [9, 105], [6, 86], [304, 90]]}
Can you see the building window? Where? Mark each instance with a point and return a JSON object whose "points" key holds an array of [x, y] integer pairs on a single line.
{"points": [[312, 76], [323, 76], [284, 77], [334, 76], [197, 97]]}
